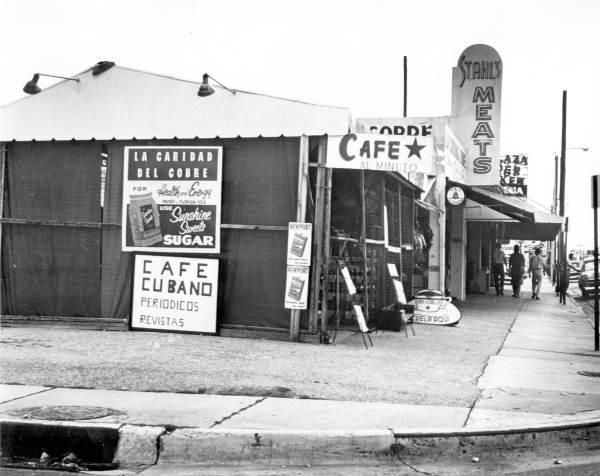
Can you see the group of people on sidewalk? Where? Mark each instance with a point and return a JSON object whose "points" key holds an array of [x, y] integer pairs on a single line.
{"points": [[516, 269]]}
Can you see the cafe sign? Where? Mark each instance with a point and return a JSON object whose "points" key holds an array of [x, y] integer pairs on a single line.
{"points": [[175, 294], [378, 152]]}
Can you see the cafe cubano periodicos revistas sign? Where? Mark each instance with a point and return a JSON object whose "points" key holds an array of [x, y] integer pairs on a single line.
{"points": [[172, 199], [475, 119], [378, 152], [175, 294]]}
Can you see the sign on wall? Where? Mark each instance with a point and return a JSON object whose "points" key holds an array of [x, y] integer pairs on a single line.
{"points": [[475, 120], [514, 170], [299, 244], [175, 294], [172, 199], [377, 152], [298, 265], [296, 287]]}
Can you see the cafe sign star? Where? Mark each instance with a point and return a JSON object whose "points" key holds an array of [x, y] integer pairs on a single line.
{"points": [[377, 152], [415, 149]]}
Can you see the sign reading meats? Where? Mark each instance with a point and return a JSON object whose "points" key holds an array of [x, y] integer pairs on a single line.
{"points": [[172, 199]]}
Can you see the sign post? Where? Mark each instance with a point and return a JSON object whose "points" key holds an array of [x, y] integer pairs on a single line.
{"points": [[595, 200]]}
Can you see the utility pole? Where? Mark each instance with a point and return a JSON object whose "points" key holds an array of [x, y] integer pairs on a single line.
{"points": [[563, 276], [405, 85]]}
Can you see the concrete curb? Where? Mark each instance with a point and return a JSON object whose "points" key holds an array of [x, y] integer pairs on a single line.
{"points": [[195, 446], [149, 445]]}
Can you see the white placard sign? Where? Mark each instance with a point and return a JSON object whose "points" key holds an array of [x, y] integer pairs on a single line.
{"points": [[348, 281], [393, 270], [299, 244], [400, 296], [296, 287], [175, 294], [360, 317]]}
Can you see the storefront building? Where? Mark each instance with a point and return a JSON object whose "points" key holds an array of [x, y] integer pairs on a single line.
{"points": [[131, 201], [126, 166]]}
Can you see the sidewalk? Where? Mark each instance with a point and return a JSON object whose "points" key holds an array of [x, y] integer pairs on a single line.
{"points": [[537, 388]]}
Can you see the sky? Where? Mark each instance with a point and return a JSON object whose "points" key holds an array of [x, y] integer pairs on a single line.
{"points": [[346, 53]]}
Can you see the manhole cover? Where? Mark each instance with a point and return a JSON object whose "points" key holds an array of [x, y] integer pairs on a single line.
{"points": [[585, 373], [63, 412]]}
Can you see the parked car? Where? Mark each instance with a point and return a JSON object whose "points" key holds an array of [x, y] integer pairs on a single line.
{"points": [[586, 277]]}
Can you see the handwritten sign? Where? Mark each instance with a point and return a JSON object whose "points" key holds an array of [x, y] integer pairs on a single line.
{"points": [[172, 199], [175, 294]]}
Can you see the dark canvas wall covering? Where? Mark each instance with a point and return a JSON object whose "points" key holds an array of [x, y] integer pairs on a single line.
{"points": [[81, 271], [51, 270], [252, 278]]}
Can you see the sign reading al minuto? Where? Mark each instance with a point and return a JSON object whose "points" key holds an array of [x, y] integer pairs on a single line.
{"points": [[172, 199]]}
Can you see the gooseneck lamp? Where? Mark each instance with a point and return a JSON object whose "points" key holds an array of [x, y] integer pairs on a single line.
{"points": [[32, 87], [206, 89]]}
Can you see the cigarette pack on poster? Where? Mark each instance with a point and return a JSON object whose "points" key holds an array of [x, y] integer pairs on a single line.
{"points": [[299, 244], [296, 287]]}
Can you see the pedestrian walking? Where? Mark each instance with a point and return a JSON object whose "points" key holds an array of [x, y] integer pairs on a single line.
{"points": [[536, 273], [498, 262], [516, 264]]}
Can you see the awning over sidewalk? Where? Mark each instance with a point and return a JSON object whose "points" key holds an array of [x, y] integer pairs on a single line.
{"points": [[545, 228], [521, 218], [514, 207]]}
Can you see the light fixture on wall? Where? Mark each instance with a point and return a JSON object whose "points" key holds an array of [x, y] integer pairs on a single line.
{"points": [[206, 89], [32, 87]]}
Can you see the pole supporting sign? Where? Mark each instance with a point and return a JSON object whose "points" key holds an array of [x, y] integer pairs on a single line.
{"points": [[595, 202]]}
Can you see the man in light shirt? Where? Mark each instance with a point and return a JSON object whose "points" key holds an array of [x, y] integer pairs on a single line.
{"points": [[536, 272], [498, 261]]}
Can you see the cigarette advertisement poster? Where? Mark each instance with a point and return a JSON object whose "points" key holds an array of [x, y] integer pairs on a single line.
{"points": [[296, 287], [299, 244], [172, 199], [175, 294]]}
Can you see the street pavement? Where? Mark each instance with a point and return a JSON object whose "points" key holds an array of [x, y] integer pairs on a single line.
{"points": [[537, 389]]}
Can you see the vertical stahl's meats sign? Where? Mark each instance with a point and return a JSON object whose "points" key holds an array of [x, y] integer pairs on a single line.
{"points": [[476, 97], [172, 199]]}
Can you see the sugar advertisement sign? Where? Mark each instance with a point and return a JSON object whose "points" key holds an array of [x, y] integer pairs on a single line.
{"points": [[175, 294], [296, 287], [172, 199]]}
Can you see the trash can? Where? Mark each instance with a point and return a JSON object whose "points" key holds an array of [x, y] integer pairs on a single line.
{"points": [[394, 317]]}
